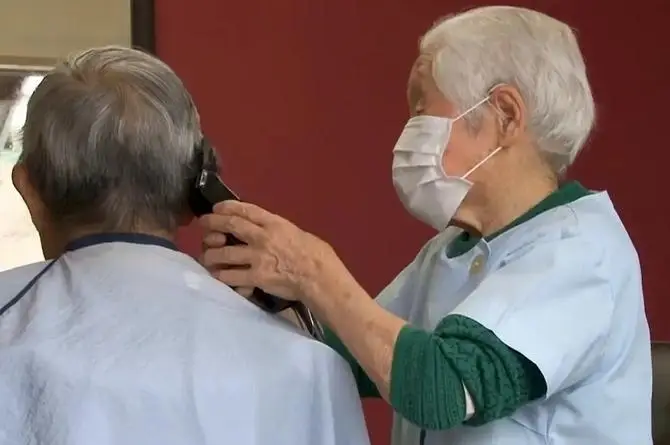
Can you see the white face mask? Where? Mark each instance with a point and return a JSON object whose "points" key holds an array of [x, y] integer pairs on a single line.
{"points": [[425, 190]]}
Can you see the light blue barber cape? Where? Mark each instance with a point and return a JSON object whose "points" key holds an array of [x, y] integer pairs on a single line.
{"points": [[563, 289], [123, 343]]}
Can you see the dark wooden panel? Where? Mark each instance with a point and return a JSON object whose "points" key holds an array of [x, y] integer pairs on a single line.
{"points": [[142, 25]]}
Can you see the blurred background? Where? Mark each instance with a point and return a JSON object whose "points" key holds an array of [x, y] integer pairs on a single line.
{"points": [[34, 34], [19, 242], [304, 100]]}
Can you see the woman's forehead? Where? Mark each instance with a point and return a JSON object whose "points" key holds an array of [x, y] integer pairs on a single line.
{"points": [[421, 76], [422, 66]]}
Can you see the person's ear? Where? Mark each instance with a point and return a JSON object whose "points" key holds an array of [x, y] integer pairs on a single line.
{"points": [[31, 198], [511, 114], [50, 237]]}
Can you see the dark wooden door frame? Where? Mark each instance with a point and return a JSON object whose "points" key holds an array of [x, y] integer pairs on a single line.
{"points": [[142, 24]]}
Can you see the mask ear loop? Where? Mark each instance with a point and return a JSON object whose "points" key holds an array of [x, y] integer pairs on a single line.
{"points": [[469, 110], [493, 153], [479, 164], [490, 155], [485, 99], [444, 147]]}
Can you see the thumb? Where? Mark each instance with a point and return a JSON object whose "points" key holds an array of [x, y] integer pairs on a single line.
{"points": [[245, 291]]}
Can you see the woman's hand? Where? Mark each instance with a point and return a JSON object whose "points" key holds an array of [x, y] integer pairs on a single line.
{"points": [[288, 262], [216, 240], [278, 257]]}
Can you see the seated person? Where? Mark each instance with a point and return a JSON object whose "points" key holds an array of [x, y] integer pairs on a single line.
{"points": [[119, 338]]}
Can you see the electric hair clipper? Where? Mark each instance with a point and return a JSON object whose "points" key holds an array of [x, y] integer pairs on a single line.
{"points": [[209, 190]]}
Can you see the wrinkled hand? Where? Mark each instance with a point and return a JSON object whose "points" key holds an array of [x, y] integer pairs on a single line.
{"points": [[216, 240], [278, 257]]}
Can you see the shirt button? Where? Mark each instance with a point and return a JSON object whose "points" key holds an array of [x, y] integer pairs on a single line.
{"points": [[477, 264]]}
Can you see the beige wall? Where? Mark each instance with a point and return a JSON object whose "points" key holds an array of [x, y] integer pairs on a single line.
{"points": [[43, 30], [19, 241]]}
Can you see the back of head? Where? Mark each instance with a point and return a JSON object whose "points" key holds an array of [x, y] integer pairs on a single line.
{"points": [[474, 51], [109, 142]]}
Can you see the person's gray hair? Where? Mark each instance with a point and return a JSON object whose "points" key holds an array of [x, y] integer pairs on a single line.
{"points": [[109, 140], [474, 51]]}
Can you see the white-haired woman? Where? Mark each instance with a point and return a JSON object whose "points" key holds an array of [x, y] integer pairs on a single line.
{"points": [[522, 321]]}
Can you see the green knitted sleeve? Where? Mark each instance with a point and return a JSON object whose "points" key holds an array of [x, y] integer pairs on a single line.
{"points": [[366, 388], [430, 369]]}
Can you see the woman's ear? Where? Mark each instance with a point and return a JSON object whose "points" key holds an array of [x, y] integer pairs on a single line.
{"points": [[511, 110]]}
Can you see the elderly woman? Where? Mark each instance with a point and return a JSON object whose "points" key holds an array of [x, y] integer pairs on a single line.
{"points": [[119, 338], [522, 321]]}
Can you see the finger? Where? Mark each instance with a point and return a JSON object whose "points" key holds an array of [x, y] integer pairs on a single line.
{"points": [[248, 211], [237, 278], [214, 240], [227, 256], [212, 223], [241, 228], [245, 291]]}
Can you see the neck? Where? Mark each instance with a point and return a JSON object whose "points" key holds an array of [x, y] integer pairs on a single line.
{"points": [[157, 233], [498, 207], [55, 245]]}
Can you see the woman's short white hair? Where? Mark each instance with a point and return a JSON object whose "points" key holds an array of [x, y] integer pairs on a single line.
{"points": [[537, 54]]}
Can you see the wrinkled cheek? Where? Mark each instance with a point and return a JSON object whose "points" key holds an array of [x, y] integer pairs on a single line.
{"points": [[453, 163]]}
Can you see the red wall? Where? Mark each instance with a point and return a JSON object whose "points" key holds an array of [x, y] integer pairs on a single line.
{"points": [[305, 102]]}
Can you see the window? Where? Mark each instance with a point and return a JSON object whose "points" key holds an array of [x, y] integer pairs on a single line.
{"points": [[19, 241]]}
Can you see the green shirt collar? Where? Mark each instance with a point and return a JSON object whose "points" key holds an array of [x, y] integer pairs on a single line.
{"points": [[567, 193]]}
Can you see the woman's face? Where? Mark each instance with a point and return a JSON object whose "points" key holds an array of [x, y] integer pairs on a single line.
{"points": [[465, 148]]}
